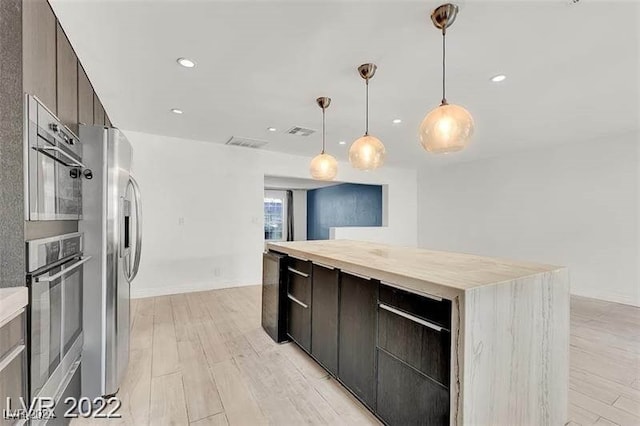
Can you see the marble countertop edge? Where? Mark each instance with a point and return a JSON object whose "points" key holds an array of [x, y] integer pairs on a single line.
{"points": [[440, 273]]}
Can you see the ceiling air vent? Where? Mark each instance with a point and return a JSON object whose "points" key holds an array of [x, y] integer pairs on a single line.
{"points": [[300, 131], [246, 142]]}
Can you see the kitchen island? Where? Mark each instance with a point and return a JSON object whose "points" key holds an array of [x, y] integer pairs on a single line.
{"points": [[428, 337]]}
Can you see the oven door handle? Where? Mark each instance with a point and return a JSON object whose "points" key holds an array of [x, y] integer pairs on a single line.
{"points": [[54, 277], [72, 161]]}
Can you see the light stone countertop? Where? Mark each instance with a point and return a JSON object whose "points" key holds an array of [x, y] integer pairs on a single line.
{"points": [[12, 299], [418, 270]]}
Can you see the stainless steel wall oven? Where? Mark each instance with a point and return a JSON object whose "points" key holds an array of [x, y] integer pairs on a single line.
{"points": [[55, 311], [53, 166]]}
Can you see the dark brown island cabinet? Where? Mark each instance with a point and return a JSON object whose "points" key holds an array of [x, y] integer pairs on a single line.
{"points": [[324, 316], [424, 337], [388, 347]]}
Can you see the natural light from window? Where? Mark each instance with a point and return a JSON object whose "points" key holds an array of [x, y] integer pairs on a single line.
{"points": [[275, 216]]}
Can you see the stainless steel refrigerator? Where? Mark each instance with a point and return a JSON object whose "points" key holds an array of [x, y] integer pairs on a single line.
{"points": [[112, 230]]}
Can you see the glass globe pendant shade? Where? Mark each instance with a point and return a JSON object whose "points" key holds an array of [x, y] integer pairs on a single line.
{"points": [[448, 128], [323, 167], [367, 153]]}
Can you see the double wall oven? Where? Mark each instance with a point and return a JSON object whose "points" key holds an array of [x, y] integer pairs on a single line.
{"points": [[55, 338], [54, 174], [54, 167]]}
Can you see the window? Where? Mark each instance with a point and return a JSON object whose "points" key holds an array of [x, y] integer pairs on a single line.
{"points": [[275, 215]]}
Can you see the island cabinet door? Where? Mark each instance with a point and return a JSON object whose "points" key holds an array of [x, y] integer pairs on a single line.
{"points": [[414, 358], [324, 317], [408, 397], [357, 336], [299, 302]]}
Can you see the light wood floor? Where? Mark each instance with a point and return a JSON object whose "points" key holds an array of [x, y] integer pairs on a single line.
{"points": [[202, 358], [605, 363]]}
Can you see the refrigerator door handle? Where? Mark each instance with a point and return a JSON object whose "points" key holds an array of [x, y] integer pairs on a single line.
{"points": [[138, 208]]}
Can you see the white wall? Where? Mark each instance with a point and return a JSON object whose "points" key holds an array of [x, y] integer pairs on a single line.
{"points": [[382, 234], [574, 205], [203, 210], [300, 214]]}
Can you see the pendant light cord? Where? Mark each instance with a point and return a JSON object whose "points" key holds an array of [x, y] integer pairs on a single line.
{"points": [[444, 50], [323, 109], [366, 131]]}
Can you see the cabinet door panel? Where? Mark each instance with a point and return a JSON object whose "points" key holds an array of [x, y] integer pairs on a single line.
{"points": [[299, 286], [85, 98], [423, 348], [300, 265], [39, 51], [437, 311], [407, 397], [98, 111], [299, 322], [324, 317], [67, 82], [357, 336]]}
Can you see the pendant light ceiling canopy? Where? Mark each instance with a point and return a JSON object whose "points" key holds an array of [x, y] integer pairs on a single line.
{"points": [[323, 166], [449, 127], [367, 152]]}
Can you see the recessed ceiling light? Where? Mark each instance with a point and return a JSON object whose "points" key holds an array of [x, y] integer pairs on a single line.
{"points": [[176, 111], [271, 129], [187, 63], [498, 78], [342, 143], [397, 121]]}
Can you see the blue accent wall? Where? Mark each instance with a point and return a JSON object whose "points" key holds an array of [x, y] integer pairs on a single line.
{"points": [[347, 204]]}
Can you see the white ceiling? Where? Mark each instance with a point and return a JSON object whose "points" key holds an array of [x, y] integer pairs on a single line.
{"points": [[572, 70]]}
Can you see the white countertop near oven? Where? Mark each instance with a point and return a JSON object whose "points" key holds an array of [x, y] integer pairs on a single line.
{"points": [[12, 299]]}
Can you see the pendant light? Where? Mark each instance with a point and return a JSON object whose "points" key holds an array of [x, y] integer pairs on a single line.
{"points": [[367, 152], [323, 166], [448, 128]]}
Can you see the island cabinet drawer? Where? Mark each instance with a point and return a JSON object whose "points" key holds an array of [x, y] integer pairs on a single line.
{"points": [[299, 265], [407, 397], [299, 274], [422, 345], [299, 322], [432, 309]]}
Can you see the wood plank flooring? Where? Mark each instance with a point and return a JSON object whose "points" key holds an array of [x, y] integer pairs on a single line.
{"points": [[604, 363], [203, 359]]}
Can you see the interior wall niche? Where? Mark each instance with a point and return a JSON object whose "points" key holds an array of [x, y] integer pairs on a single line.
{"points": [[347, 204]]}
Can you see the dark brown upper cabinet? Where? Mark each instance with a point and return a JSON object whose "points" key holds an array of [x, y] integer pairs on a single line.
{"points": [[67, 77], [85, 98], [98, 111], [39, 51]]}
